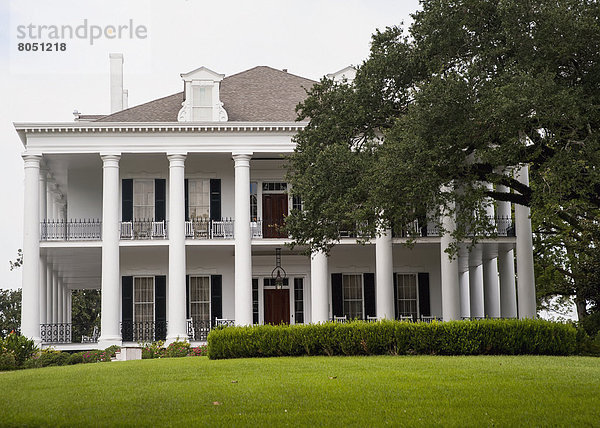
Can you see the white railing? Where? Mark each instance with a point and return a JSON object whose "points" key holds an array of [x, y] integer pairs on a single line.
{"points": [[70, 230], [209, 229], [143, 229], [256, 229]]}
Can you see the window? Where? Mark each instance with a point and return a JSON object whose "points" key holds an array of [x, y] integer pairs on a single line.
{"points": [[274, 187], [299, 300], [201, 103], [143, 199], [143, 299], [270, 282], [253, 201], [406, 295], [199, 199], [200, 298], [255, 300], [296, 203], [353, 296]]}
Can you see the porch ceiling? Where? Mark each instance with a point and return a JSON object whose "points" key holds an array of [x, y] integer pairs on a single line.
{"points": [[80, 268]]}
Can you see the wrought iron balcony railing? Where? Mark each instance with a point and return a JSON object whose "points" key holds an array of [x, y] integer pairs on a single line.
{"points": [[209, 229], [55, 333], [144, 229], [198, 329], [143, 331], [71, 230]]}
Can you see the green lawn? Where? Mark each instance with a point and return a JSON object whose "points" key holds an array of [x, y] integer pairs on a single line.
{"points": [[336, 391]]}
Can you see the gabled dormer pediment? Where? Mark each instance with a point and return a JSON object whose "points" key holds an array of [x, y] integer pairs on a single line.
{"points": [[346, 73], [202, 73], [202, 102]]}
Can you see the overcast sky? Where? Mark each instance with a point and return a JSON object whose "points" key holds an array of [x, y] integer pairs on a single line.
{"points": [[310, 38]]}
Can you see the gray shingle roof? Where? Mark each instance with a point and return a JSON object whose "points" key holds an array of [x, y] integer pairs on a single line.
{"points": [[261, 94]]}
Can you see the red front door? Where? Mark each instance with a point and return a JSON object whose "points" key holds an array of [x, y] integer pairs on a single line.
{"points": [[277, 306], [275, 208]]}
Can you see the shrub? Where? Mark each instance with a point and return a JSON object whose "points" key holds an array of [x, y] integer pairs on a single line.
{"points": [[19, 346], [153, 350], [591, 324], [177, 349], [46, 358], [395, 338], [76, 358], [111, 351], [199, 351], [7, 361]]}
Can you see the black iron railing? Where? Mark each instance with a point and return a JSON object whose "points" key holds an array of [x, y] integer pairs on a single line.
{"points": [[143, 331], [55, 333], [71, 230], [198, 330]]}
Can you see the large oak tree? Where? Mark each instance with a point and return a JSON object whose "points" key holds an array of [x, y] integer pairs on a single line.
{"points": [[473, 90]]}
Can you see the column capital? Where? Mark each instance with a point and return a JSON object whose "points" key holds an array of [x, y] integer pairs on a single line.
{"points": [[176, 159], [110, 160], [241, 158], [32, 161]]}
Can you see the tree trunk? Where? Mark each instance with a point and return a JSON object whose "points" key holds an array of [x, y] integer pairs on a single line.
{"points": [[581, 308]]}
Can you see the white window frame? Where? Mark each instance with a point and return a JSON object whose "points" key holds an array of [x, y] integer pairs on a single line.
{"points": [[190, 302], [206, 186], [362, 291], [197, 107], [153, 205], [417, 297], [153, 302]]}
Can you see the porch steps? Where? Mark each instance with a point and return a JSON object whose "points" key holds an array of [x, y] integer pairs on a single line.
{"points": [[128, 353]]}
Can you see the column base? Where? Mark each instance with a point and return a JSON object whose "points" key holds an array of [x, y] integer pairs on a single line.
{"points": [[106, 341]]}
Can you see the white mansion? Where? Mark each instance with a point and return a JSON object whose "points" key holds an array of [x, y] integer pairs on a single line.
{"points": [[173, 210]]}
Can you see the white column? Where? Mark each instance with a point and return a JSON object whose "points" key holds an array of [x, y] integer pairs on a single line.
{"points": [[110, 300], [506, 266], [384, 268], [465, 302], [176, 326], [30, 309], [43, 262], [54, 296], [491, 295], [61, 301], [449, 271], [69, 305], [243, 242], [476, 283], [43, 290], [508, 292], [49, 279], [319, 292], [526, 277], [463, 280], [490, 270]]}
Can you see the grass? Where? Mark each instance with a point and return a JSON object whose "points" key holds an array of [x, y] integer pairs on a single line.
{"points": [[309, 391]]}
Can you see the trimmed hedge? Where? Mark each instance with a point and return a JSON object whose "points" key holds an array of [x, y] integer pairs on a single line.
{"points": [[506, 337]]}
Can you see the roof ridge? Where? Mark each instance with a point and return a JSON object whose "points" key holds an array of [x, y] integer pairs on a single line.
{"points": [[136, 106], [270, 68]]}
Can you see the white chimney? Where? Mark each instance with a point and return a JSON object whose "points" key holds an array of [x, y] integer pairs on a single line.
{"points": [[125, 99], [116, 82]]}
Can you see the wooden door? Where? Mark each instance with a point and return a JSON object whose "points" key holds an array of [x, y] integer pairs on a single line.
{"points": [[277, 306], [275, 208]]}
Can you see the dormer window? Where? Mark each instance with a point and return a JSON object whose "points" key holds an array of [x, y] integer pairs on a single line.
{"points": [[201, 97], [202, 105]]}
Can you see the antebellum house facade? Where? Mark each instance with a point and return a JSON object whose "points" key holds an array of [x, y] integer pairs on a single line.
{"points": [[173, 210]]}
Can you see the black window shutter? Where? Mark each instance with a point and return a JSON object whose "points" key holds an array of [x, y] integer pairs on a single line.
{"points": [[160, 307], [424, 302], [215, 199], [186, 185], [127, 308], [337, 298], [396, 296], [254, 300], [187, 297], [216, 296], [127, 200], [369, 288], [160, 199]]}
